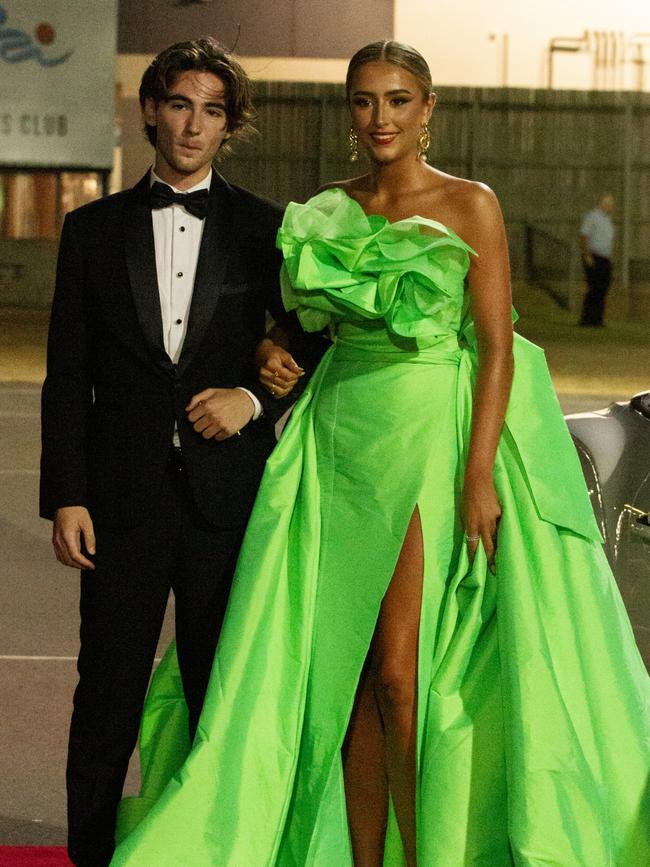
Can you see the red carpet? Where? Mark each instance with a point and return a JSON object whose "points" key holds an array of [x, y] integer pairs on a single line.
{"points": [[33, 856]]}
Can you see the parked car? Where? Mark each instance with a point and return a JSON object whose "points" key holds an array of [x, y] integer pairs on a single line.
{"points": [[614, 449]]}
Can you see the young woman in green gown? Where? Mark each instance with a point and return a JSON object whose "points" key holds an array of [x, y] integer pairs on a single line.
{"points": [[425, 659]]}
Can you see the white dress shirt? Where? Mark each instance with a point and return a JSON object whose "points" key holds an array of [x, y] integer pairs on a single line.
{"points": [[598, 228], [177, 239]]}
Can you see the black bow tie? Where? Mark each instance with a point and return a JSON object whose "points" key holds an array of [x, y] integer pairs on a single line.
{"points": [[196, 203]]}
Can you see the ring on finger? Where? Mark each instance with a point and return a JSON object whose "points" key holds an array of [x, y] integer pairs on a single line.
{"points": [[472, 538]]}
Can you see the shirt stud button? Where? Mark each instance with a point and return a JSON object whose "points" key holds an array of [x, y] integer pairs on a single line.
{"points": [[179, 321], [179, 273], [182, 229]]}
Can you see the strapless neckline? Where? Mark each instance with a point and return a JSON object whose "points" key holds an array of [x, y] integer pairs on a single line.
{"points": [[388, 222]]}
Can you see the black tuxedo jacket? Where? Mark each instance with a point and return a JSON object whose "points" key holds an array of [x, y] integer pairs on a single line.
{"points": [[112, 394]]}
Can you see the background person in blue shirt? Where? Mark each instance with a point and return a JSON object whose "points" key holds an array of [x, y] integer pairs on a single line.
{"points": [[596, 245]]}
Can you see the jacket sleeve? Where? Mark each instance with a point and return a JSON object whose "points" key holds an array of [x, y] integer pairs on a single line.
{"points": [[307, 349], [67, 391]]}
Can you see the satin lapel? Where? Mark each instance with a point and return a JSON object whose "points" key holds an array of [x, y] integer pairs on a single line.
{"points": [[141, 264], [216, 244]]}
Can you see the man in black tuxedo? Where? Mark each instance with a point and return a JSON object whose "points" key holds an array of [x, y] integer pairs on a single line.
{"points": [[155, 433]]}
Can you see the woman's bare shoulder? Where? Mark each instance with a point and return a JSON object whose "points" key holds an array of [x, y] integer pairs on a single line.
{"points": [[469, 205], [464, 191]]}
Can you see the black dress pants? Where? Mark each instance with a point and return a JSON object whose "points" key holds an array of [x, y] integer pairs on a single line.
{"points": [[122, 608], [599, 277]]}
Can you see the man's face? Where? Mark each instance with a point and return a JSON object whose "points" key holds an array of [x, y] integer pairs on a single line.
{"points": [[191, 125], [607, 204]]}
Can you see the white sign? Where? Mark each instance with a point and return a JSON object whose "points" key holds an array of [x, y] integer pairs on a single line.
{"points": [[57, 82]]}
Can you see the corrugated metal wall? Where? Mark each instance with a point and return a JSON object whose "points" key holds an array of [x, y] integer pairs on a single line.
{"points": [[547, 154]]}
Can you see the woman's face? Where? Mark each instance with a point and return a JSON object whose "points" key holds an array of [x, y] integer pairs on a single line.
{"points": [[388, 109]]}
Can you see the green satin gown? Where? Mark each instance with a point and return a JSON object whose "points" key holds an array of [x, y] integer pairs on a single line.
{"points": [[532, 735]]}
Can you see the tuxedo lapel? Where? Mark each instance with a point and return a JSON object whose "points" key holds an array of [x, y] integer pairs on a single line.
{"points": [[216, 244], [141, 264]]}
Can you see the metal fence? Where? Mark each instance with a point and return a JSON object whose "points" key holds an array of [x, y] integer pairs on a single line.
{"points": [[547, 154]]}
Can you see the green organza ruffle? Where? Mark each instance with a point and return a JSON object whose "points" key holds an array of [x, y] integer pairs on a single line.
{"points": [[339, 261]]}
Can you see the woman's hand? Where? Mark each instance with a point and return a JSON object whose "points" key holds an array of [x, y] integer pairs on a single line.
{"points": [[480, 513], [278, 371]]}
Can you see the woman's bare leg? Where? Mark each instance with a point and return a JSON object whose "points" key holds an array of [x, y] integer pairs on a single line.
{"points": [[366, 783], [395, 659], [380, 744]]}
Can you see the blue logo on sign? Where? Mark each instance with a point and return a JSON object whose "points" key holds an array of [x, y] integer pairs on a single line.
{"points": [[17, 46]]}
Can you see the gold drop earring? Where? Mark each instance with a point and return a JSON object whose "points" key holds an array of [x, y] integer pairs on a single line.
{"points": [[353, 146], [424, 142]]}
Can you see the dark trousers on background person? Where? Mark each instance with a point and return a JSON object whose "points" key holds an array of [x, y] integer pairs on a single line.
{"points": [[123, 604], [599, 278]]}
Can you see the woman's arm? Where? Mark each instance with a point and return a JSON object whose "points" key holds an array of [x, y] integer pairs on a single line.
{"points": [[491, 304], [278, 370]]}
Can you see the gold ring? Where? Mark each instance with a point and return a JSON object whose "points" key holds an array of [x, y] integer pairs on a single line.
{"points": [[238, 432]]}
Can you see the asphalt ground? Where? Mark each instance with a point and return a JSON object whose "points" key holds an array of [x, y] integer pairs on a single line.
{"points": [[38, 638], [39, 598]]}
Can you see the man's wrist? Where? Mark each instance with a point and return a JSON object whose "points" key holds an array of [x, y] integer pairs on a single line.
{"points": [[257, 406]]}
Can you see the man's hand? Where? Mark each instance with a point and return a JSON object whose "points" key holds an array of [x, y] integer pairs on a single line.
{"points": [[278, 370], [219, 413], [73, 527]]}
